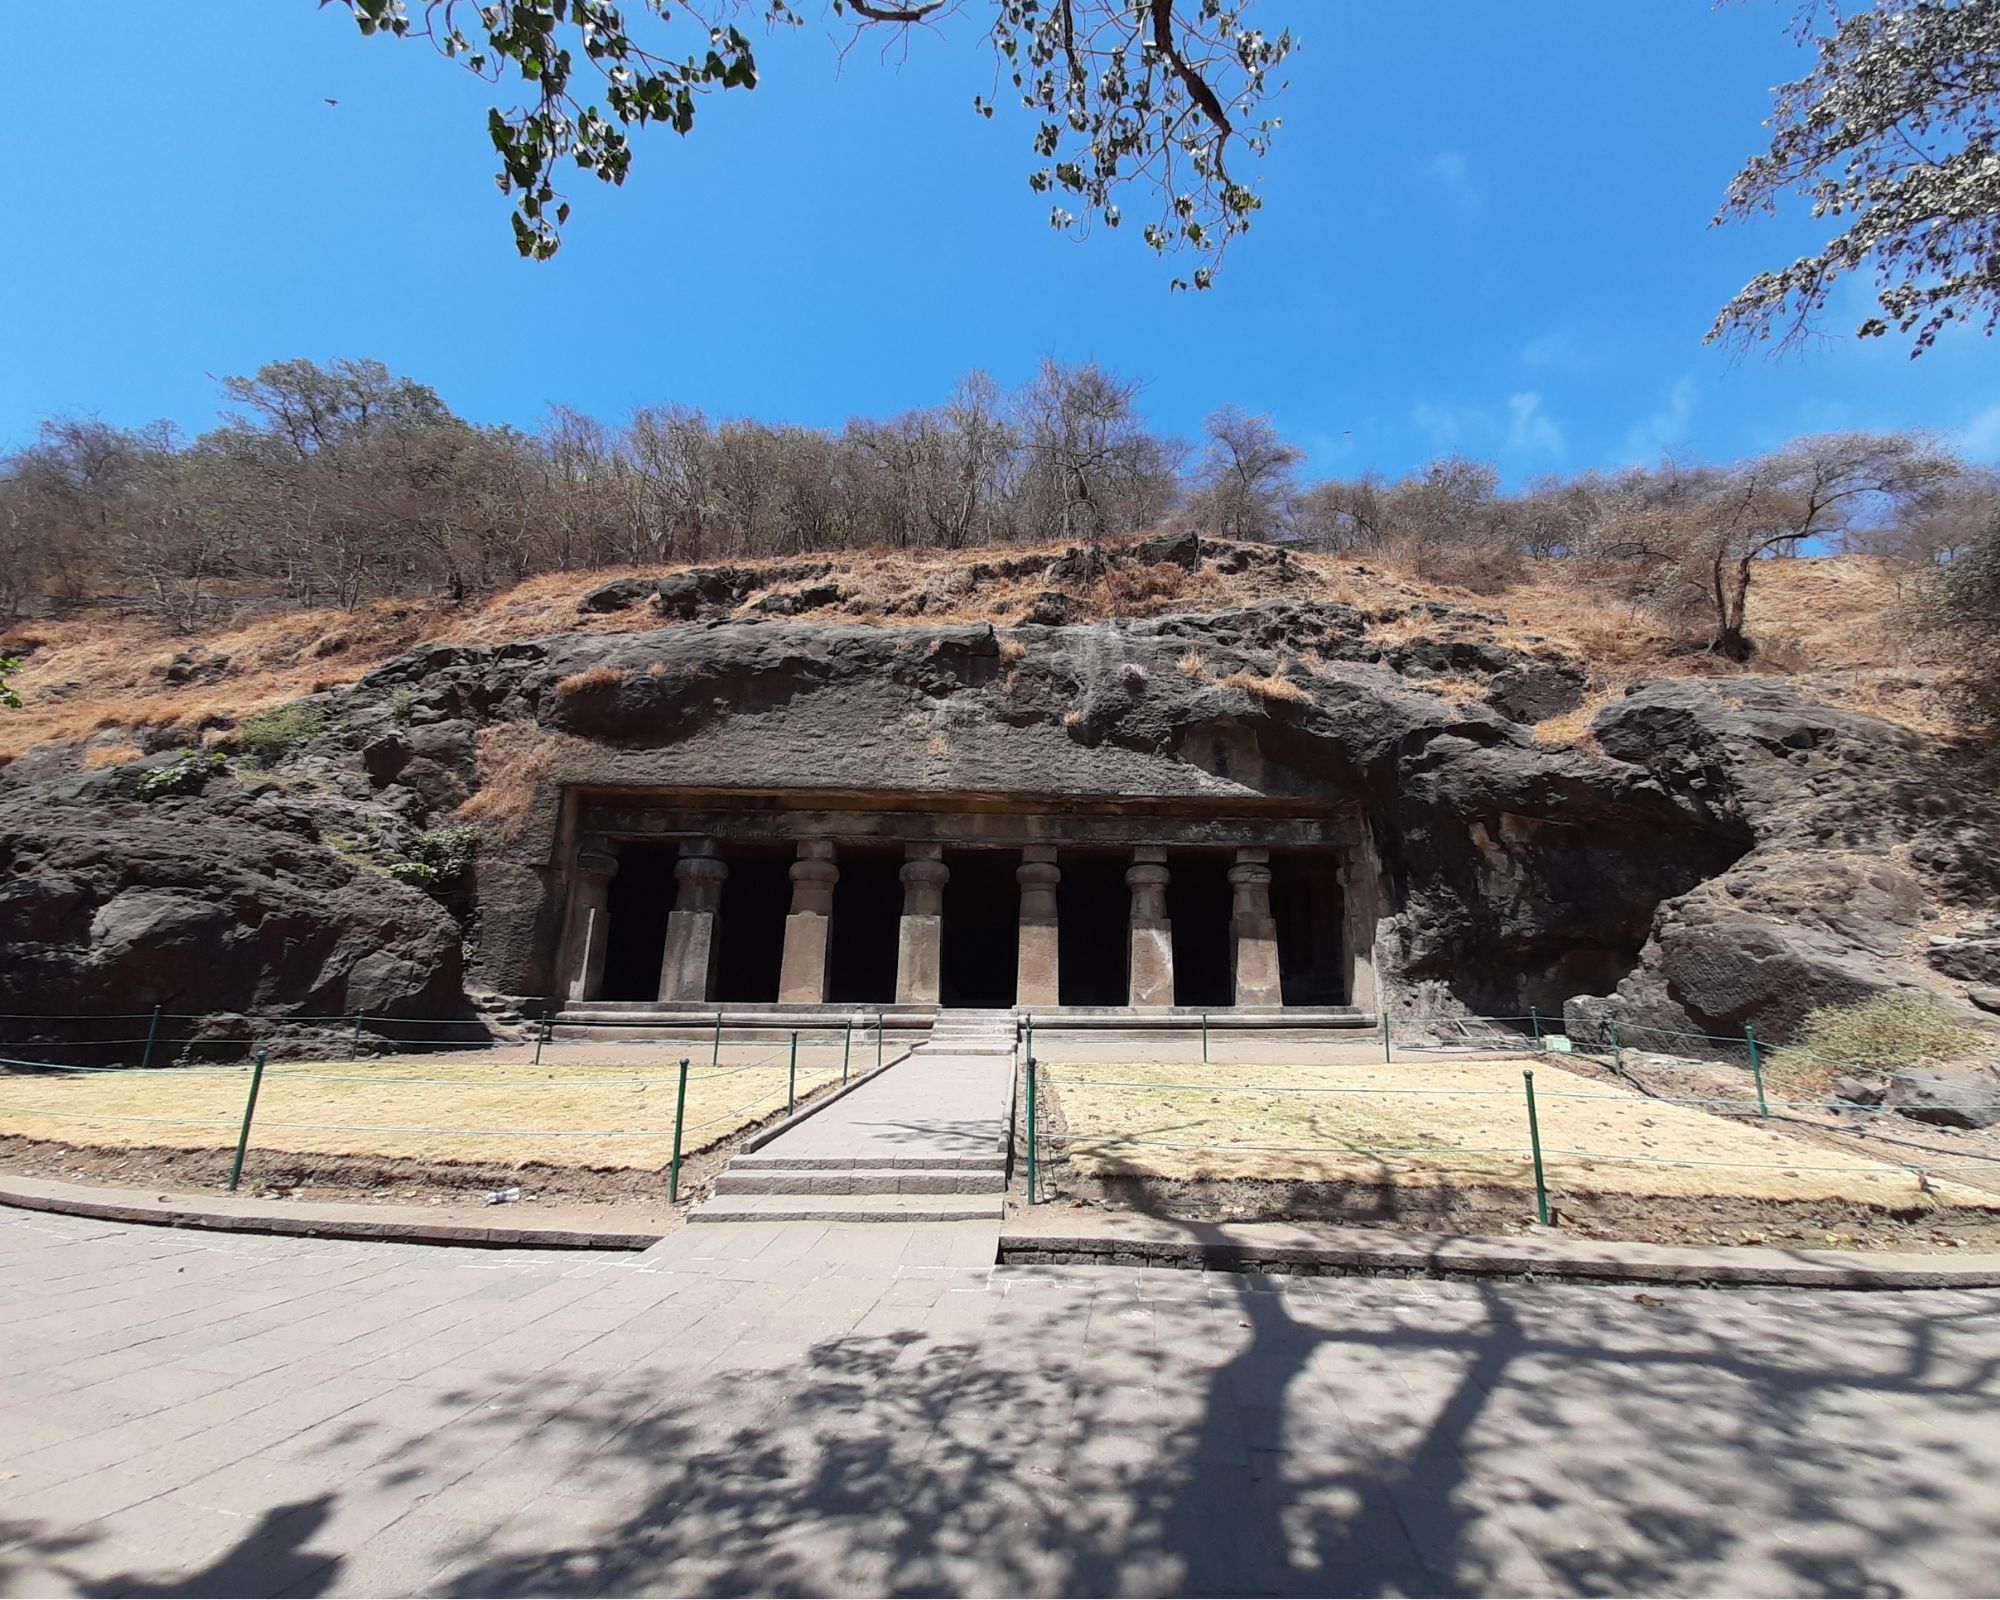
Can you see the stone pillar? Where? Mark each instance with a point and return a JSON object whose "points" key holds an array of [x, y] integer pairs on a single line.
{"points": [[802, 979], [1038, 978], [920, 943], [1361, 907], [1152, 937], [687, 971], [1253, 931], [588, 928]]}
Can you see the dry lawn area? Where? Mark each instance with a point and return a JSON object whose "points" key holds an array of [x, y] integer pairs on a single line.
{"points": [[603, 1114], [1437, 1124]]}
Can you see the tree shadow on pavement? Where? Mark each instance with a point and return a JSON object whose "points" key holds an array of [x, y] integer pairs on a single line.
{"points": [[1095, 1430]]}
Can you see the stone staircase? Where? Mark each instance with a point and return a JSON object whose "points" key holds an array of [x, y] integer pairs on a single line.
{"points": [[924, 1141], [971, 1033]]}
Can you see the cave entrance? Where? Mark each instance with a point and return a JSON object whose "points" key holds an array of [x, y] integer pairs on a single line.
{"points": [[1200, 904], [636, 905], [1094, 912], [750, 923], [981, 936], [867, 922], [1307, 902]]}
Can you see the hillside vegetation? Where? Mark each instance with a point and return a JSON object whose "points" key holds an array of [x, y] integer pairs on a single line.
{"points": [[127, 683], [164, 588]]}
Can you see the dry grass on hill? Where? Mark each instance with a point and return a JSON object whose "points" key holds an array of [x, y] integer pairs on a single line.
{"points": [[101, 678]]}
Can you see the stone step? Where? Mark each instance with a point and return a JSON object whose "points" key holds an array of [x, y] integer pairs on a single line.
{"points": [[850, 1208], [861, 1180], [758, 1162]]}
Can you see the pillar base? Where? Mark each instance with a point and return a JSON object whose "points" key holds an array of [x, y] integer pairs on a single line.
{"points": [[919, 960], [1038, 978], [1152, 964], [802, 978], [689, 959], [1256, 960]]}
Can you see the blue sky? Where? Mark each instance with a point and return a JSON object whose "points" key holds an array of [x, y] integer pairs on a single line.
{"points": [[1485, 229]]}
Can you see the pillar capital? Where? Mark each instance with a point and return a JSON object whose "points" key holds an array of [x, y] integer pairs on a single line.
{"points": [[596, 864]]}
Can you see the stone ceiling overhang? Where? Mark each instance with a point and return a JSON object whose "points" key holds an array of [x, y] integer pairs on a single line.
{"points": [[860, 817]]}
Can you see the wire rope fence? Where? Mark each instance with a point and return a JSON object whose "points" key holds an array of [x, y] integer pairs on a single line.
{"points": [[624, 1102], [1715, 1114]]}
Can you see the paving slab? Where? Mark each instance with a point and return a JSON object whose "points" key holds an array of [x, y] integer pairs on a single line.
{"points": [[828, 1408]]}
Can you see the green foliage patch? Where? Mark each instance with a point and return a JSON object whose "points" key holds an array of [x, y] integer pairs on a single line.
{"points": [[272, 736], [439, 859], [187, 773]]}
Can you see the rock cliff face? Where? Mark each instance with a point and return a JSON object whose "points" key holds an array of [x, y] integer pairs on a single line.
{"points": [[1728, 852]]}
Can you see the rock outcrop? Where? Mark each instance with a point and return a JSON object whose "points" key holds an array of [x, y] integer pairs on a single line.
{"points": [[1727, 851]]}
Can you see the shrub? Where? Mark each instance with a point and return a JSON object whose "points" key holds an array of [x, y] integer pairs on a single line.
{"points": [[271, 736], [1194, 663], [1012, 650], [1886, 1033], [401, 705], [187, 773], [9, 697], [440, 858]]}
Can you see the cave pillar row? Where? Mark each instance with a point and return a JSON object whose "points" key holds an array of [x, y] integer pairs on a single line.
{"points": [[687, 969], [920, 939], [1253, 931], [587, 929], [1361, 908], [1151, 946], [802, 978], [1037, 970]]}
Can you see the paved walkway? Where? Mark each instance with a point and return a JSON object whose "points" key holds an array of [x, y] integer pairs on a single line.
{"points": [[925, 1140], [808, 1409]]}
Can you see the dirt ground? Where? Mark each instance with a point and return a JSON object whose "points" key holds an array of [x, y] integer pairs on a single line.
{"points": [[585, 1116], [1449, 1126]]}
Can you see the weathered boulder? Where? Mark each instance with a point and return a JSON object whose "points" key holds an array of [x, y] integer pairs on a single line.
{"points": [[1816, 914], [109, 905], [1537, 691], [1947, 1097]]}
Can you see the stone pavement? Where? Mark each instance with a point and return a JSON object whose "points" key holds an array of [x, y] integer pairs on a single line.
{"points": [[808, 1409]]}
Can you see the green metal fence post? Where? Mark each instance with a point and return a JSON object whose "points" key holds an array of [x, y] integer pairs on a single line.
{"points": [[846, 1046], [878, 1038], [1385, 1037], [680, 1113], [715, 1055], [792, 1083], [541, 1038], [1204, 1038], [1617, 1052], [1757, 1070], [1535, 1017], [1031, 1131], [152, 1037], [1030, 1050], [249, 1111], [1535, 1143]]}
